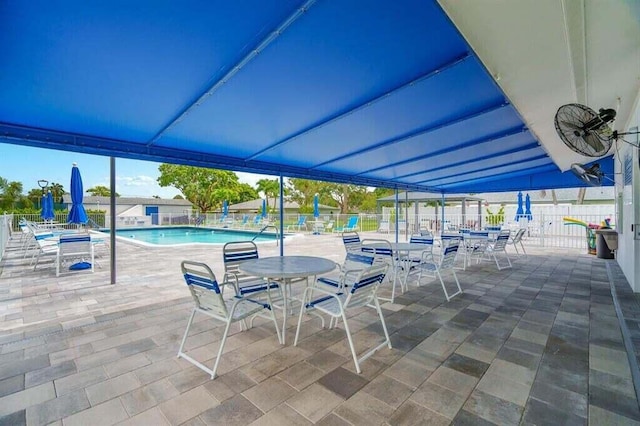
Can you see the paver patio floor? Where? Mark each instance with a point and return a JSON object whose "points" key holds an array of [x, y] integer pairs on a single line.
{"points": [[536, 344]]}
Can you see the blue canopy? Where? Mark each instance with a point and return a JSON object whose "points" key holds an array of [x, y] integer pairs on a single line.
{"points": [[527, 207], [520, 211], [77, 214], [368, 92], [47, 206], [264, 208], [225, 208], [316, 208]]}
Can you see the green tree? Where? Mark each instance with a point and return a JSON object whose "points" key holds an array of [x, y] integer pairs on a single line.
{"points": [[302, 192], [35, 196], [57, 190], [345, 195], [270, 188], [10, 194], [245, 193], [100, 191], [205, 188], [368, 202]]}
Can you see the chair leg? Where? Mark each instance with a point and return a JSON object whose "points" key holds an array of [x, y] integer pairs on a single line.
{"points": [[353, 349], [446, 295], [508, 260], [273, 317], [523, 250], [186, 332], [302, 311], [384, 325], [457, 282], [224, 340]]}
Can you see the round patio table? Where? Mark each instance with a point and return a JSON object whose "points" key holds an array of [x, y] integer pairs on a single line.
{"points": [[284, 269]]}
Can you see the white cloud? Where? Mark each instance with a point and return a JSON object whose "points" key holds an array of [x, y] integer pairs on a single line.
{"points": [[147, 186], [252, 178], [140, 186], [136, 181]]}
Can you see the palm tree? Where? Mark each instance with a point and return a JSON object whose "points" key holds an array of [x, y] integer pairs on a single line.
{"points": [[57, 190], [270, 188], [35, 196]]}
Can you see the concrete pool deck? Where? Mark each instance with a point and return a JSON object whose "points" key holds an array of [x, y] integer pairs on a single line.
{"points": [[539, 343]]}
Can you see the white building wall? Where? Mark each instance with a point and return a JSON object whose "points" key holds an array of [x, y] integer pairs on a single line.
{"points": [[628, 202], [186, 210]]}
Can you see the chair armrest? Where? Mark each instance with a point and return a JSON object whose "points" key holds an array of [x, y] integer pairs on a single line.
{"points": [[427, 255], [234, 283], [312, 290]]}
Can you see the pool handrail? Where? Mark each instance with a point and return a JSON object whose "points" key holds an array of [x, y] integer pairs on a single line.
{"points": [[265, 228]]}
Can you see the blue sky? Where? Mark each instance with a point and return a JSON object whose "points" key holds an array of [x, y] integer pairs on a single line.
{"points": [[133, 177]]}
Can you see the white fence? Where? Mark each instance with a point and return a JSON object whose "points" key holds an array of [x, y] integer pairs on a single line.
{"points": [[6, 221], [546, 229]]}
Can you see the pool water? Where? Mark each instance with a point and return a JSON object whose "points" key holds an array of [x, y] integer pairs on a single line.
{"points": [[189, 235]]}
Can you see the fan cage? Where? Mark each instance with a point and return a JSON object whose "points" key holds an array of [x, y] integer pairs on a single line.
{"points": [[575, 126]]}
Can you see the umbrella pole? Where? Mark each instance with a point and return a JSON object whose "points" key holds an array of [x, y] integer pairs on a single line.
{"points": [[112, 225]]}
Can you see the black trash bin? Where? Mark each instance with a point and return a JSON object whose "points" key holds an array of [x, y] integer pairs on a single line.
{"points": [[603, 249]]}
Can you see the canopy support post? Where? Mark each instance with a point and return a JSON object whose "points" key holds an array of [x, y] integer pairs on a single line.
{"points": [[281, 215], [112, 213]]}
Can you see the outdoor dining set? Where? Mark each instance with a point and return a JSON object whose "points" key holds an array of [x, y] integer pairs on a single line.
{"points": [[257, 286]]}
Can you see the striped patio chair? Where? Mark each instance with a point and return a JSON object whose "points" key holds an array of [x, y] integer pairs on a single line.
{"points": [[498, 247], [351, 241], [353, 264], [336, 306], [446, 263], [208, 300]]}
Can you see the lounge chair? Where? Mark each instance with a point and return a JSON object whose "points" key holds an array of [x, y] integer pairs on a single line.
{"points": [[46, 244], [245, 220], [302, 221], [208, 300], [328, 227], [336, 305], [352, 225], [384, 226], [257, 220]]}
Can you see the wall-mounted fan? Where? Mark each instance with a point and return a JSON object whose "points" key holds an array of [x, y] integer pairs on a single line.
{"points": [[591, 175], [585, 131]]}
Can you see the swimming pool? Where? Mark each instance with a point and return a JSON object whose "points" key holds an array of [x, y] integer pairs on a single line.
{"points": [[188, 235]]}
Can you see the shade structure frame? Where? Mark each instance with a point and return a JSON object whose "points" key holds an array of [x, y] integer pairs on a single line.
{"points": [[382, 78]]}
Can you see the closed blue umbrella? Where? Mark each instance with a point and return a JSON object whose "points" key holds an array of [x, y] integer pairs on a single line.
{"points": [[225, 208], [527, 207], [43, 204], [520, 211], [77, 213], [264, 208], [47, 206], [316, 208]]}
